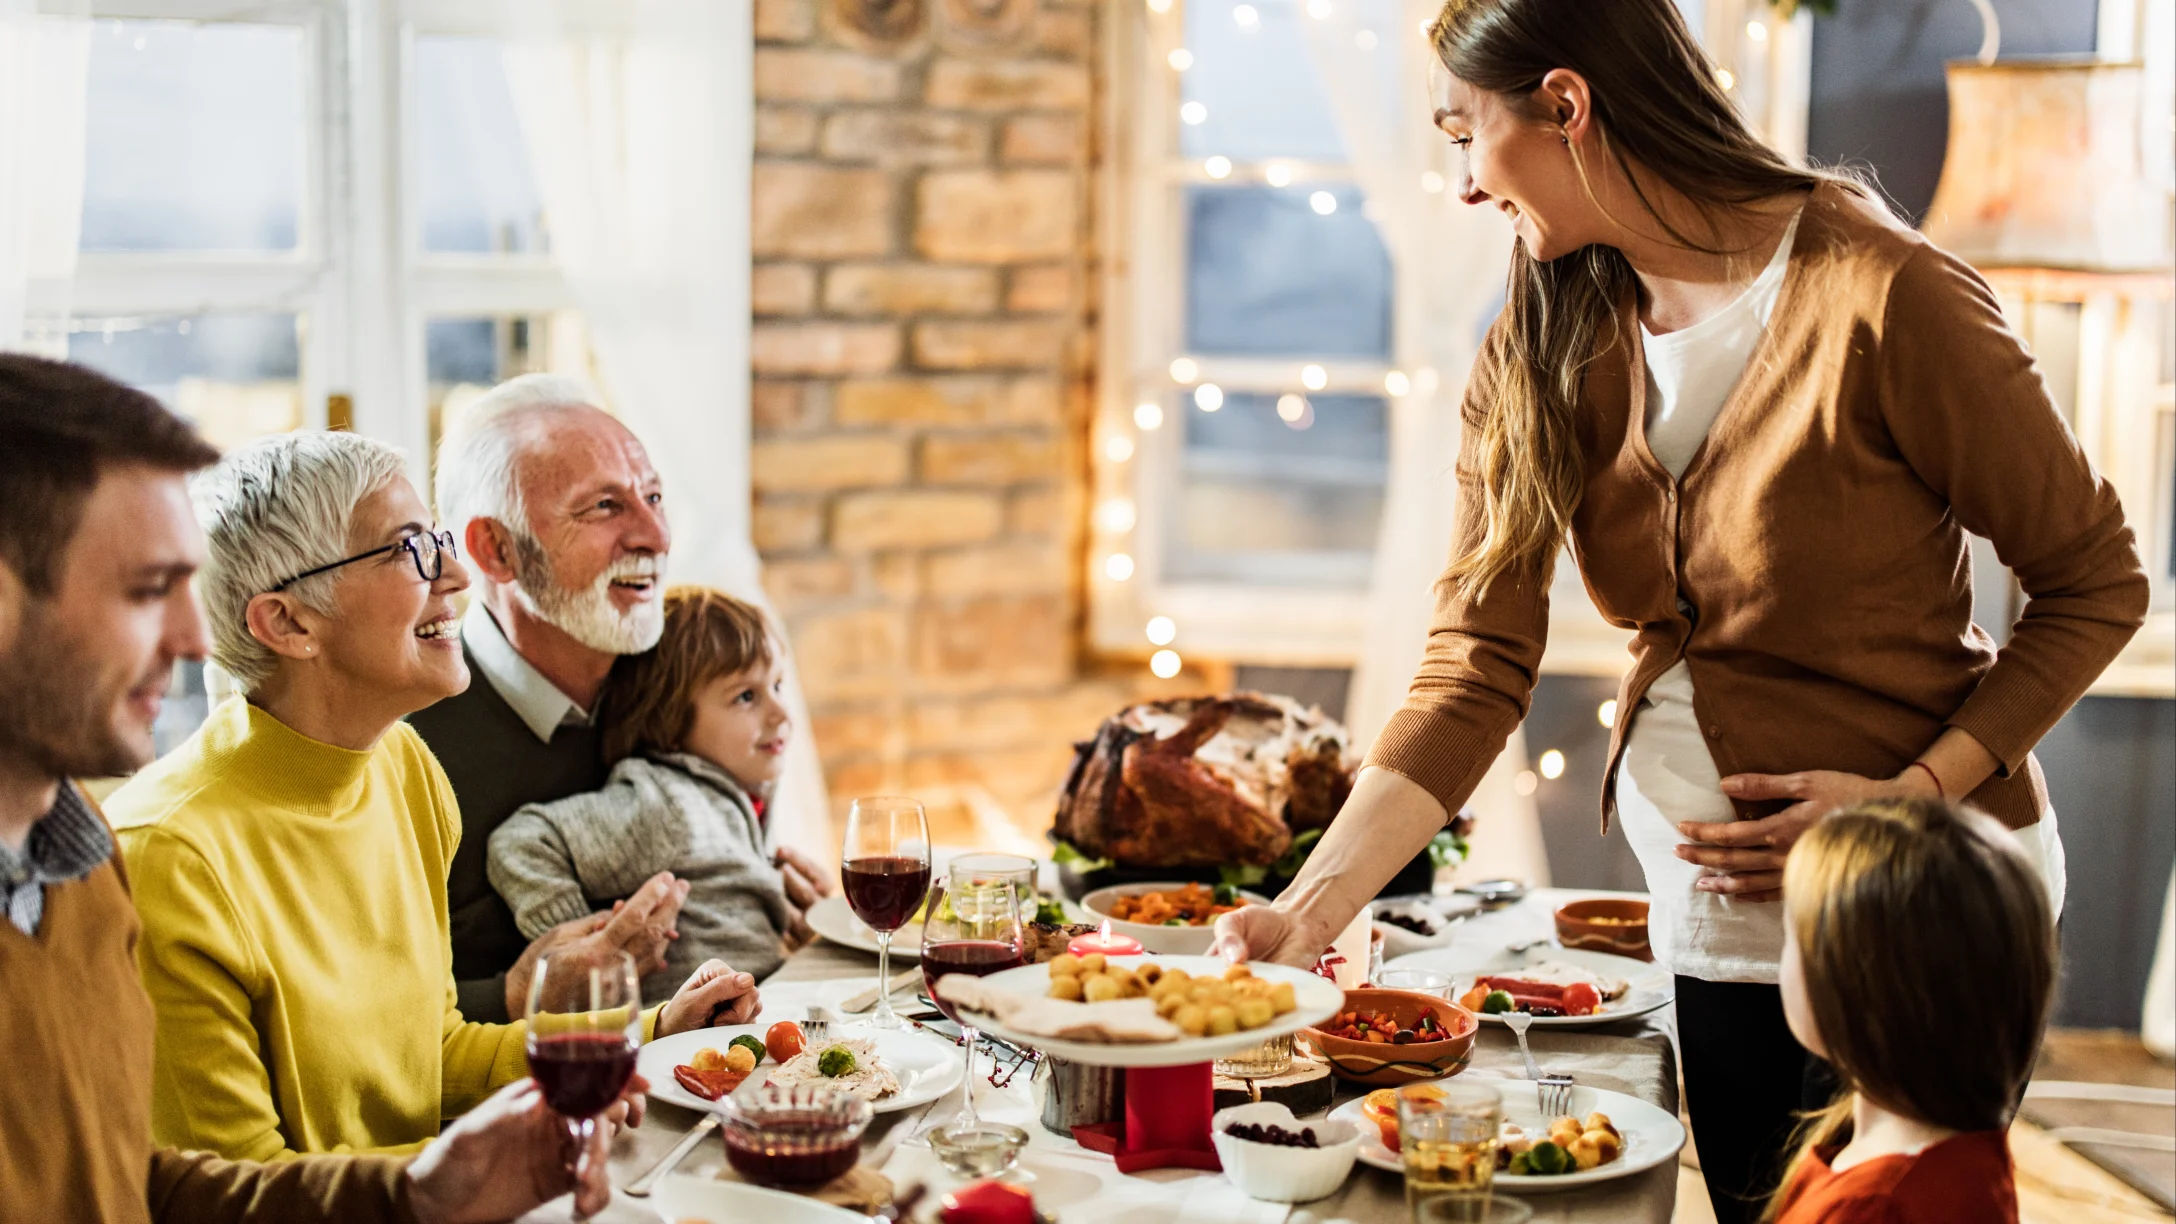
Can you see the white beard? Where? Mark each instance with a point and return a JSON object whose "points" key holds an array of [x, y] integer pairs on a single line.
{"points": [[589, 616]]}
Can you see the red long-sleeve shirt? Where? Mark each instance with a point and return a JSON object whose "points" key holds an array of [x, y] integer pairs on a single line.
{"points": [[1966, 1179]]}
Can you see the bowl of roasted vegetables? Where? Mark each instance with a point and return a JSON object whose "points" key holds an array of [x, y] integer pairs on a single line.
{"points": [[1390, 1037], [1175, 919]]}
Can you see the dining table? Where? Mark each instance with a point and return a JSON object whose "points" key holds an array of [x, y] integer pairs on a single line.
{"points": [[1634, 1056]]}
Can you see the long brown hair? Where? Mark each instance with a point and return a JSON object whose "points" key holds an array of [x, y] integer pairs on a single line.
{"points": [[1656, 104], [1928, 948], [649, 699]]}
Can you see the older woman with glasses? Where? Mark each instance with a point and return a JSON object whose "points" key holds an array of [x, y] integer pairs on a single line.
{"points": [[289, 861]]}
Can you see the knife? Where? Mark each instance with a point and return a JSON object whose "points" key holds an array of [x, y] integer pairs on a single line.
{"points": [[867, 998], [642, 1185]]}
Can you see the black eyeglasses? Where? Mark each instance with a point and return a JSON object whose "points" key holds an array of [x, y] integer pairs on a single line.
{"points": [[428, 549]]}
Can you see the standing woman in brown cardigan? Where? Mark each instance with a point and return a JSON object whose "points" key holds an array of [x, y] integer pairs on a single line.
{"points": [[1763, 413]]}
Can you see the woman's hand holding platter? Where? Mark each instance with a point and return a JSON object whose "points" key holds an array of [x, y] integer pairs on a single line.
{"points": [[1747, 855]]}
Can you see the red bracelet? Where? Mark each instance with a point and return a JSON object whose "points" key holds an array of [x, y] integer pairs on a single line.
{"points": [[1939, 789]]}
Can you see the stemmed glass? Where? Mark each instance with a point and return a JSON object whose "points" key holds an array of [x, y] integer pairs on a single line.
{"points": [[585, 1024], [885, 876], [975, 927]]}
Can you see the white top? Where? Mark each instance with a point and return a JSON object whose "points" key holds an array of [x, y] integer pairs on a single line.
{"points": [[542, 707], [1667, 775]]}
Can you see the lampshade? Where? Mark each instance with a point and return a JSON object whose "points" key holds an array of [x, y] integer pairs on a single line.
{"points": [[2045, 168]]}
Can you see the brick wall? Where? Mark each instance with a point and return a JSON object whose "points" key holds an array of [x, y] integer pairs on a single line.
{"points": [[923, 354]]}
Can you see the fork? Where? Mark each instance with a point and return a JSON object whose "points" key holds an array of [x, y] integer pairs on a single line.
{"points": [[818, 1025], [1553, 1091]]}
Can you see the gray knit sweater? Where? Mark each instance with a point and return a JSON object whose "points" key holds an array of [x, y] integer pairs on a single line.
{"points": [[679, 813]]}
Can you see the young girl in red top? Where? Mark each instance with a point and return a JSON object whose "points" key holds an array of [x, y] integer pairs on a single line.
{"points": [[1918, 959]]}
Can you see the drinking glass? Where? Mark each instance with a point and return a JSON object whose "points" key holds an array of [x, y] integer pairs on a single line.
{"points": [[1019, 868], [585, 1024], [1426, 981], [1447, 1136], [1463, 1209], [885, 876], [975, 927]]}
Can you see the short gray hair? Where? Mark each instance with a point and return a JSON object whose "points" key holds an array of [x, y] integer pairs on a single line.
{"points": [[271, 510], [478, 474]]}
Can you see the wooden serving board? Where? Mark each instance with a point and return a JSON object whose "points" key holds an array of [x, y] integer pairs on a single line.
{"points": [[1305, 1089]]}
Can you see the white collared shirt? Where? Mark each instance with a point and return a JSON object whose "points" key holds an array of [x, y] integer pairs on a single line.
{"points": [[540, 704]]}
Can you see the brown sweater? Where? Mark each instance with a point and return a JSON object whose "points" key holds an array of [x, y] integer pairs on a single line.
{"points": [[1818, 538], [75, 1095]]}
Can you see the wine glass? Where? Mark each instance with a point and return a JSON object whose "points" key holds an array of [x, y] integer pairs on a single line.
{"points": [[975, 927], [885, 876], [585, 1023]]}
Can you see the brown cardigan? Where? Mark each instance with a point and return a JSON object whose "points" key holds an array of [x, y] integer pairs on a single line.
{"points": [[75, 1097], [1818, 537]]}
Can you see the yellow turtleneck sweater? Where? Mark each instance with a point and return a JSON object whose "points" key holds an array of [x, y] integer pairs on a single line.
{"points": [[293, 897]]}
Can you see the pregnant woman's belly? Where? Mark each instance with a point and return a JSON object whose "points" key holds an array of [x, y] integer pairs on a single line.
{"points": [[1666, 777]]}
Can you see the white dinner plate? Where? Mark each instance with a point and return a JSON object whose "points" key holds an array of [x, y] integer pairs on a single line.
{"points": [[1317, 1000], [1651, 1135], [927, 1067], [1651, 985], [681, 1197], [834, 919]]}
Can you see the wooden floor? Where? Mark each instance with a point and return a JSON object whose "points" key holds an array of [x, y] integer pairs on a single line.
{"points": [[2055, 1185]]}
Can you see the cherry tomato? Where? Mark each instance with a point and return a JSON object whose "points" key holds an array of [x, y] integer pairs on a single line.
{"points": [[1581, 999], [784, 1040]]}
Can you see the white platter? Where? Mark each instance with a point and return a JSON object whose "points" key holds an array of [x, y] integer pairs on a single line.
{"points": [[681, 1197], [834, 919], [927, 1067], [1165, 940], [1318, 999], [1651, 1134], [1651, 985]]}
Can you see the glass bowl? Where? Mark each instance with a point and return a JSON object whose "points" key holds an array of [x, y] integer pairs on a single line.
{"points": [[792, 1135], [979, 1149]]}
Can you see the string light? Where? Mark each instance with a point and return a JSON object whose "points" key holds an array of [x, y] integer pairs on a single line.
{"points": [[1526, 783], [1314, 377], [1277, 174], [1180, 59], [1164, 664], [1323, 203], [1118, 567], [1159, 6], [1396, 383], [1208, 397], [1118, 447], [1432, 182], [1116, 515], [1291, 407], [1724, 78], [1183, 370], [1194, 114], [1318, 9], [1217, 167], [1606, 713], [1161, 630], [1552, 764], [1246, 16], [1756, 31], [1148, 414]]}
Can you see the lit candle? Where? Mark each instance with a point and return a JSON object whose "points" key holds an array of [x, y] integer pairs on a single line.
{"points": [[1104, 942]]}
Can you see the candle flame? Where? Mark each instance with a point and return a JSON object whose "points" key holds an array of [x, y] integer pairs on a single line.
{"points": [[1104, 933]]}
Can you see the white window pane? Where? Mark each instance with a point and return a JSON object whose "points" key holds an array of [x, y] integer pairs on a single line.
{"points": [[1267, 499], [465, 356], [193, 137], [476, 192], [1257, 80], [1267, 274], [237, 376]]}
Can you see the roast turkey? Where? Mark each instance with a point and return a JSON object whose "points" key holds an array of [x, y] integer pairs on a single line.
{"points": [[1204, 782]]}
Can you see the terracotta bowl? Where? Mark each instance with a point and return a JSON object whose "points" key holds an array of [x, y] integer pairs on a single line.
{"points": [[1576, 928], [1379, 1064]]}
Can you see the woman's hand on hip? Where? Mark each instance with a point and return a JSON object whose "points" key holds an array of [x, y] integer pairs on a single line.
{"points": [[1746, 856]]}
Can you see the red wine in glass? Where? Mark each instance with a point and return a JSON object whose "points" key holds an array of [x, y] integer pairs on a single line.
{"points": [[979, 957], [884, 891], [581, 1073]]}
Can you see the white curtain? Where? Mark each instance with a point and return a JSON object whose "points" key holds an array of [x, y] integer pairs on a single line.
{"points": [[44, 64], [638, 119], [1449, 262]]}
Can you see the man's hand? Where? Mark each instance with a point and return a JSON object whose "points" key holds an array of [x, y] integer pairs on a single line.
{"points": [[506, 1157], [714, 995], [641, 926], [806, 883], [1745, 857]]}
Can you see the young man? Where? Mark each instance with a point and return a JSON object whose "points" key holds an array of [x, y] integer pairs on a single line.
{"points": [[97, 546], [561, 520]]}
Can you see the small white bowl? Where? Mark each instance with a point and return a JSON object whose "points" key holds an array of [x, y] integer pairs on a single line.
{"points": [[1162, 940], [1278, 1174]]}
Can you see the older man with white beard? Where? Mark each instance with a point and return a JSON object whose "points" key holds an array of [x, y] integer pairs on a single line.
{"points": [[562, 522]]}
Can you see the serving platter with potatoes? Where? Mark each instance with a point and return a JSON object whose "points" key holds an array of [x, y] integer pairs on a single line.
{"points": [[1203, 1008]]}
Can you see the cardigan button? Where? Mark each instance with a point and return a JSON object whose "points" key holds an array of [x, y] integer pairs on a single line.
{"points": [[1715, 733]]}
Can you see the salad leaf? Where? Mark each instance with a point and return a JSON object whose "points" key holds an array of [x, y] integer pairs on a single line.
{"points": [[1446, 849], [1050, 912], [1064, 852], [1296, 857], [1239, 876]]}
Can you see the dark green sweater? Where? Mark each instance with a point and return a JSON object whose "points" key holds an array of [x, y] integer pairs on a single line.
{"points": [[496, 765]]}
